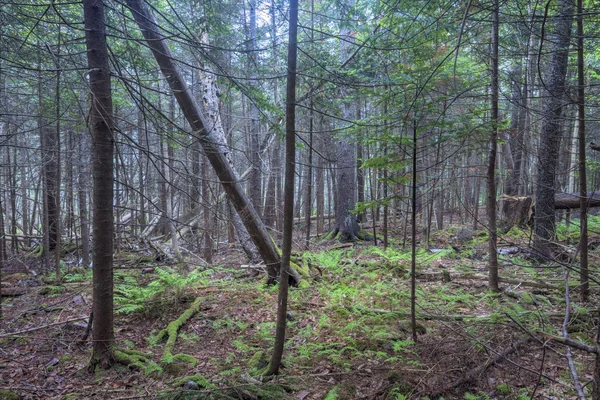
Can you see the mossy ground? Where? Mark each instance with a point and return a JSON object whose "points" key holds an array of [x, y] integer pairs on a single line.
{"points": [[348, 333]]}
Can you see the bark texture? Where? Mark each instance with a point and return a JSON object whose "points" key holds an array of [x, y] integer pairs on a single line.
{"points": [[213, 144], [101, 124], [550, 136]]}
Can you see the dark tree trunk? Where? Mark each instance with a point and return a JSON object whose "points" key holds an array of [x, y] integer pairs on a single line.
{"points": [[214, 148], [583, 237], [549, 148], [290, 158], [101, 124], [491, 172], [346, 222]]}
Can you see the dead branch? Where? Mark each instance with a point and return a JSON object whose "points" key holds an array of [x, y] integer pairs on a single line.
{"points": [[37, 328], [568, 342], [473, 373]]}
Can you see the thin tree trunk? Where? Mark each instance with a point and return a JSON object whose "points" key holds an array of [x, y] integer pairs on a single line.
{"points": [[290, 158], [583, 237], [413, 263], [208, 230], [491, 172], [101, 123], [82, 180]]}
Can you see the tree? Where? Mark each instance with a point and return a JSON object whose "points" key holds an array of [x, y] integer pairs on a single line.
{"points": [[583, 205], [288, 211], [346, 223], [491, 172], [102, 126], [214, 148], [550, 135]]}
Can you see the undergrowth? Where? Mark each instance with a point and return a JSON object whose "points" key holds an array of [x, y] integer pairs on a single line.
{"points": [[169, 286]]}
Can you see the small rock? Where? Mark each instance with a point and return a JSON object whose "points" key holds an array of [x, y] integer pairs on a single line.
{"points": [[191, 385]]}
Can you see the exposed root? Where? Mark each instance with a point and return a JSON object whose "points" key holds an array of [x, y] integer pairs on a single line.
{"points": [[171, 332], [136, 359]]}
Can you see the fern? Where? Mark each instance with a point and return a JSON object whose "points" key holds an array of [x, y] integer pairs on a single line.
{"points": [[130, 297]]}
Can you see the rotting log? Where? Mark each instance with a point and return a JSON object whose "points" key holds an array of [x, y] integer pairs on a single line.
{"points": [[567, 201], [519, 210]]}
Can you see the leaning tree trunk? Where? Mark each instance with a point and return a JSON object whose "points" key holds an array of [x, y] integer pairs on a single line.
{"points": [[549, 148], [214, 147], [101, 124]]}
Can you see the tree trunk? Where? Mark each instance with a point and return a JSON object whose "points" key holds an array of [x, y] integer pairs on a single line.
{"points": [[346, 224], [101, 124], [213, 143], [550, 135], [491, 172], [254, 180], [290, 158], [82, 182], [208, 229], [583, 237]]}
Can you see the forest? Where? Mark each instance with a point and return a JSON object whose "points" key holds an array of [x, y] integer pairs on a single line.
{"points": [[274, 199]]}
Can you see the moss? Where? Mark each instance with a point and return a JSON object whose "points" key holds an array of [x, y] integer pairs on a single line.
{"points": [[8, 395], [258, 364], [171, 332], [137, 359], [198, 379], [186, 358], [503, 389], [175, 368], [265, 392]]}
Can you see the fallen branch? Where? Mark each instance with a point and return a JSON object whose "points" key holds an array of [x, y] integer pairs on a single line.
{"points": [[512, 281], [37, 328], [568, 342], [472, 374]]}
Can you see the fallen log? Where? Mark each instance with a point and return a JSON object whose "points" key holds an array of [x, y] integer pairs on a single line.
{"points": [[519, 210], [567, 201]]}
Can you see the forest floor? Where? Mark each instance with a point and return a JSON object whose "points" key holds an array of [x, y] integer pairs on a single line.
{"points": [[348, 335]]}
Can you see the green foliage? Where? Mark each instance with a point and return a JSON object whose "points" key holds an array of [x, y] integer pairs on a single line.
{"points": [[78, 275], [169, 286], [52, 291], [332, 394], [200, 380], [137, 359]]}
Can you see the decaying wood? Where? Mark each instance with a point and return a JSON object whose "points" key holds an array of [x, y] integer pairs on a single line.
{"points": [[567, 201]]}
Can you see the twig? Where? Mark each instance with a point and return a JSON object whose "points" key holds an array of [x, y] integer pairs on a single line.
{"points": [[470, 375], [537, 384], [569, 342], [37, 328], [566, 336]]}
